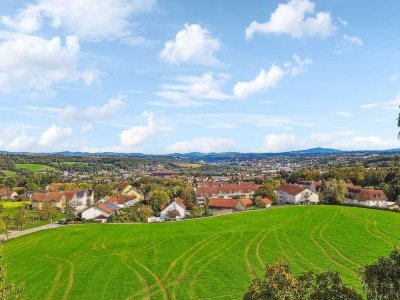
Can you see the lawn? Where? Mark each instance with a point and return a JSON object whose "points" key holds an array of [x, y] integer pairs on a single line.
{"points": [[8, 173], [14, 204], [204, 258], [33, 167]]}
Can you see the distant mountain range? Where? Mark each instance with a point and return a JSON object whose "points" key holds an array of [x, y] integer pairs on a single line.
{"points": [[214, 157]]}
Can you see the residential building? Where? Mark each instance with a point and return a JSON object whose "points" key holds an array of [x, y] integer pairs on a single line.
{"points": [[122, 201], [124, 189], [79, 199], [8, 194], [176, 205], [226, 190], [100, 212], [366, 197], [266, 202], [229, 204], [314, 186], [295, 194]]}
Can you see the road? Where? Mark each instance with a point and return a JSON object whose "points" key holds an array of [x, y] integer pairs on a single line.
{"points": [[12, 234]]}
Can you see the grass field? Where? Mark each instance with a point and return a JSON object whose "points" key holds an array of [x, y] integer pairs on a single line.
{"points": [[33, 167], [8, 173], [11, 204], [213, 258]]}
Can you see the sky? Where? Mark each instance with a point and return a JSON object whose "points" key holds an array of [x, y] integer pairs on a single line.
{"points": [[167, 76]]}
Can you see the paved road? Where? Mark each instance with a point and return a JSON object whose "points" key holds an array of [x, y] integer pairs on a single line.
{"points": [[14, 234]]}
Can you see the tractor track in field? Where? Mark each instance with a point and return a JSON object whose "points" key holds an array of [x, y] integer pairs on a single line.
{"points": [[159, 281], [373, 234], [70, 275], [333, 247], [266, 233], [384, 234], [215, 255], [323, 249]]}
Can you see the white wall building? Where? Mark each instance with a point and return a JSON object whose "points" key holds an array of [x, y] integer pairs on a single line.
{"points": [[295, 194], [175, 205]]}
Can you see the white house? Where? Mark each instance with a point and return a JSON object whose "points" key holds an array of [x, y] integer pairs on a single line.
{"points": [[366, 197], [295, 194], [175, 205], [123, 201], [80, 199], [100, 211]]}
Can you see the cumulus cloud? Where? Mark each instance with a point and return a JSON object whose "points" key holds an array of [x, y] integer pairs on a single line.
{"points": [[87, 128], [264, 81], [89, 19], [279, 142], [34, 63], [189, 89], [193, 44], [14, 138], [53, 135], [202, 144], [392, 104], [137, 135], [93, 113], [296, 18], [299, 65]]}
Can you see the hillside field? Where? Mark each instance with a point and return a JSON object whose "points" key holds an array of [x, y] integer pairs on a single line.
{"points": [[212, 258], [33, 167]]}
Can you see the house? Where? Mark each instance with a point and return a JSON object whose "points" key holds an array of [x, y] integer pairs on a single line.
{"points": [[295, 194], [123, 201], [100, 211], [175, 205], [225, 190], [8, 194], [314, 186], [124, 189], [266, 202], [366, 197], [80, 200], [229, 204]]}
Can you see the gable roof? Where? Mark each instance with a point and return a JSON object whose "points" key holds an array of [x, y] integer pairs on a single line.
{"points": [[6, 192], [291, 189], [222, 203], [48, 197], [212, 188], [266, 201], [370, 194], [246, 202]]}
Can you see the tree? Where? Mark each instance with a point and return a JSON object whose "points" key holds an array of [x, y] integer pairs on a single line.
{"points": [[173, 214], [157, 199], [3, 226], [20, 217], [70, 210], [381, 279], [335, 192], [145, 212], [267, 190], [8, 290], [280, 284]]}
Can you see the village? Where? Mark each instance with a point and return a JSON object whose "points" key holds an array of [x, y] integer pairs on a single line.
{"points": [[211, 196]]}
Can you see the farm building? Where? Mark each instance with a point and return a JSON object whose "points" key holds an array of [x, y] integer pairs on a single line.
{"points": [[366, 197], [176, 205], [216, 204], [295, 194]]}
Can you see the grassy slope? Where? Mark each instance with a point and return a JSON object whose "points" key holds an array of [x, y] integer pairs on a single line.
{"points": [[33, 167], [8, 173], [210, 258]]}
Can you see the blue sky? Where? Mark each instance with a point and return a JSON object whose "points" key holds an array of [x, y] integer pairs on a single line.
{"points": [[158, 76]]}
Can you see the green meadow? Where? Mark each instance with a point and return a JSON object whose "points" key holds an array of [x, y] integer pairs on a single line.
{"points": [[33, 167], [211, 258]]}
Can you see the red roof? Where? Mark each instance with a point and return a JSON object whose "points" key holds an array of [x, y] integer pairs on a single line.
{"points": [[6, 192], [211, 188], [105, 207], [370, 194], [246, 202], [266, 201], [223, 203], [47, 197], [291, 189]]}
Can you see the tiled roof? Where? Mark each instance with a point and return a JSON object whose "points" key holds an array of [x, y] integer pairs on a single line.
{"points": [[223, 203], [291, 189], [210, 189], [6, 192], [266, 201], [370, 194], [246, 202], [47, 197]]}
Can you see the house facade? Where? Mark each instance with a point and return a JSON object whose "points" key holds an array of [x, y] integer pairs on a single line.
{"points": [[216, 204], [295, 194], [100, 211], [122, 201], [80, 200], [8, 194], [366, 197], [173, 206]]}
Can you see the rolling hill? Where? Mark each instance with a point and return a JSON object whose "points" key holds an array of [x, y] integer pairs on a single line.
{"points": [[211, 258]]}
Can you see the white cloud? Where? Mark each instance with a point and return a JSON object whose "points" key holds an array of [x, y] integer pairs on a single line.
{"points": [[14, 138], [393, 77], [299, 65], [347, 43], [202, 144], [344, 114], [192, 44], [54, 134], [296, 18], [343, 22], [190, 88], [279, 142], [393, 104], [88, 19], [87, 128], [137, 135], [34, 63], [263, 82]]}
